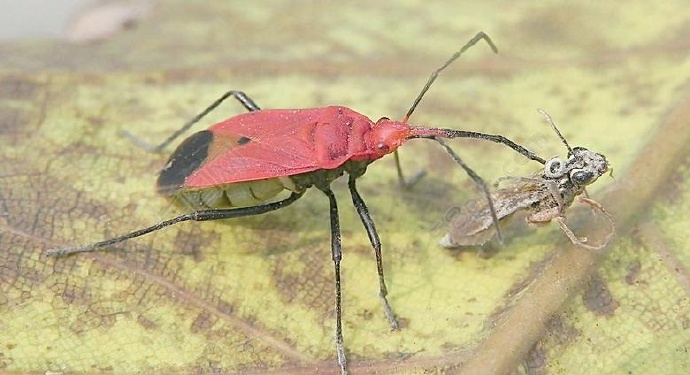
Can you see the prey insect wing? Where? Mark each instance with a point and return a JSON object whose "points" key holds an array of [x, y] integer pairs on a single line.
{"points": [[474, 220]]}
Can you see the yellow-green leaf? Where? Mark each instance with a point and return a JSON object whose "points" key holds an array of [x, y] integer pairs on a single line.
{"points": [[256, 294]]}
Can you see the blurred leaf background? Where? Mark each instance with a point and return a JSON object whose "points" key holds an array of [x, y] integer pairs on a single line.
{"points": [[256, 294]]}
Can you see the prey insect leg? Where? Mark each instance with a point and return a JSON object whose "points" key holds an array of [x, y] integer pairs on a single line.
{"points": [[241, 97], [576, 241]]}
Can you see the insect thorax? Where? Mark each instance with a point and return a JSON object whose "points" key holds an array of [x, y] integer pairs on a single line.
{"points": [[322, 178], [557, 192]]}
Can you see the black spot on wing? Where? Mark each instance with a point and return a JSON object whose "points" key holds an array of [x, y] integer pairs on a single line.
{"points": [[186, 159], [243, 140]]}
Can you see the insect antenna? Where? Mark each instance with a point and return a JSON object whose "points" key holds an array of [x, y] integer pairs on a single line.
{"points": [[553, 125], [480, 36], [404, 183]]}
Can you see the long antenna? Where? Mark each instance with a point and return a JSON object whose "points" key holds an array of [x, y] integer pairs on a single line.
{"points": [[480, 35], [553, 125]]}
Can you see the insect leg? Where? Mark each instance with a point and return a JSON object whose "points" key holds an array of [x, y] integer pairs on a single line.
{"points": [[196, 216], [337, 255], [406, 184], [571, 236], [241, 97], [477, 180], [596, 205], [569, 233], [363, 212]]}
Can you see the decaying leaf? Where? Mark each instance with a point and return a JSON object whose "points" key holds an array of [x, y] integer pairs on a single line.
{"points": [[255, 295]]}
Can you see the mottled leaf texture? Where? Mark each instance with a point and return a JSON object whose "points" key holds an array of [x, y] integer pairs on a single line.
{"points": [[256, 295]]}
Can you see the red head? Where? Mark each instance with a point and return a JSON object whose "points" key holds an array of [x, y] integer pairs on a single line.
{"points": [[386, 136]]}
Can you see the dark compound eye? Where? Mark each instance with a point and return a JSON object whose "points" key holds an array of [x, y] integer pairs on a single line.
{"points": [[382, 147], [554, 168], [580, 177]]}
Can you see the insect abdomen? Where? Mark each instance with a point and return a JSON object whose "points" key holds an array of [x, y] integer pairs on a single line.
{"points": [[240, 194]]}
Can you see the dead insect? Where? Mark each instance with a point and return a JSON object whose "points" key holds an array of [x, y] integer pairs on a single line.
{"points": [[545, 195]]}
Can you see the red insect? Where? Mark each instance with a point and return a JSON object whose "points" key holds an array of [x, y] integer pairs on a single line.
{"points": [[232, 168]]}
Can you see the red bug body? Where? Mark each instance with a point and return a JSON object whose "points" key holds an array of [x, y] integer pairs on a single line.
{"points": [[250, 157]]}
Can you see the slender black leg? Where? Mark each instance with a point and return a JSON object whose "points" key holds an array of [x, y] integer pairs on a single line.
{"points": [[195, 216], [404, 183], [477, 180], [246, 101], [337, 255], [363, 212], [241, 97], [407, 184]]}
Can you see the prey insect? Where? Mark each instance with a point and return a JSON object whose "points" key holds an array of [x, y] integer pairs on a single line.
{"points": [[545, 196], [234, 167]]}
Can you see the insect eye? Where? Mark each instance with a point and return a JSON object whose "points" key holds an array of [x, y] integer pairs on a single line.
{"points": [[382, 147], [554, 168], [582, 178]]}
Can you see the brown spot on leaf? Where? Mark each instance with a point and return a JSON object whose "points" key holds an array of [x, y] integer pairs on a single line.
{"points": [[305, 277], [193, 240], [633, 272], [146, 322], [5, 361], [561, 331], [16, 117], [558, 333], [203, 322], [557, 25], [536, 362], [225, 307], [598, 298]]}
